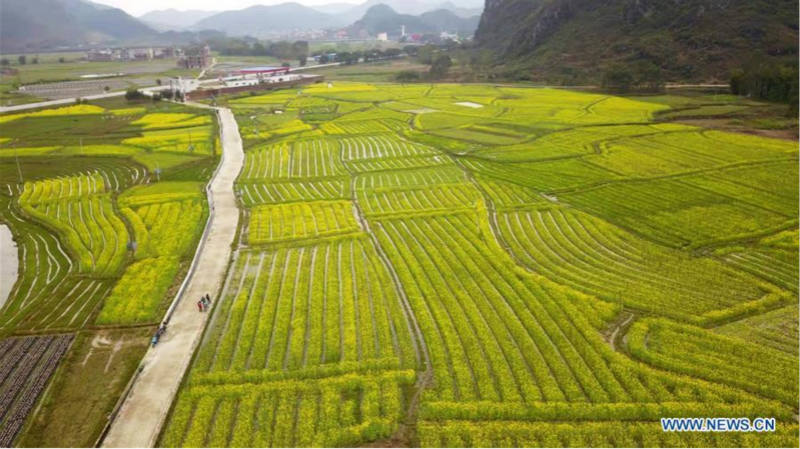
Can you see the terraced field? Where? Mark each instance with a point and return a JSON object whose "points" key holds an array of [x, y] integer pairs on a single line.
{"points": [[104, 230], [446, 265], [478, 266]]}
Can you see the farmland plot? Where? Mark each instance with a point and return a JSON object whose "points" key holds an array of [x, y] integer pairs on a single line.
{"points": [[48, 293], [26, 365], [474, 271], [592, 256], [329, 188], [381, 146], [300, 220], [574, 141], [80, 210], [52, 292], [740, 363], [776, 329], [78, 201], [307, 349], [676, 213], [299, 159]]}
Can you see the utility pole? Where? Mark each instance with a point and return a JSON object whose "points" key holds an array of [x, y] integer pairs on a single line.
{"points": [[19, 169]]}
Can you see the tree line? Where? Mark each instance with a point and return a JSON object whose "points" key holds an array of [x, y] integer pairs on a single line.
{"points": [[770, 82], [247, 46]]}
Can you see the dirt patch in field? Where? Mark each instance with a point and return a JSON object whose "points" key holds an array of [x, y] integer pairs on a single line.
{"points": [[421, 111], [84, 391], [469, 104]]}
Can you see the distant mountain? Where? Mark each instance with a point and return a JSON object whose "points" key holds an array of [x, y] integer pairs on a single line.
{"points": [[462, 8], [382, 18], [697, 40], [261, 21], [173, 19], [460, 11], [450, 21], [334, 8], [39, 24]]}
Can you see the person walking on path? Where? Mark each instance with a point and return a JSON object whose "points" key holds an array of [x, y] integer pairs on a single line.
{"points": [[200, 305]]}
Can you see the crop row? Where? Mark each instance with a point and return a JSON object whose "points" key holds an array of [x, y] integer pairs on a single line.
{"points": [[26, 365], [160, 120], [160, 192], [504, 194], [361, 127], [301, 307], [498, 337], [777, 329], [574, 141], [193, 140], [768, 185], [700, 149], [380, 146], [775, 265], [299, 159], [543, 176], [573, 108], [446, 174], [655, 155], [578, 250], [701, 353], [440, 196], [36, 192], [67, 304], [673, 212], [336, 411], [48, 292], [269, 223], [497, 334], [165, 229], [480, 135], [280, 192], [138, 294], [375, 113], [91, 230], [396, 163]]}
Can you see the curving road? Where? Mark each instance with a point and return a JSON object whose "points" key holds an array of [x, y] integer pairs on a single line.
{"points": [[142, 414]]}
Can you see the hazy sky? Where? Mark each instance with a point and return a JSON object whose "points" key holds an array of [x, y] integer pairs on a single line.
{"points": [[139, 7]]}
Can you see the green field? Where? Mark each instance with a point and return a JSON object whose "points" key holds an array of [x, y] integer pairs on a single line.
{"points": [[416, 265], [468, 265], [106, 204]]}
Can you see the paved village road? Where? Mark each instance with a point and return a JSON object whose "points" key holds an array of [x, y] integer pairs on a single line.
{"points": [[142, 414]]}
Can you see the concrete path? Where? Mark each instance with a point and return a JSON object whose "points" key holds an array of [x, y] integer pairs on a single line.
{"points": [[142, 415]]}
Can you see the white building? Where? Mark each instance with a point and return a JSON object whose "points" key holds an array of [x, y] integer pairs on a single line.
{"points": [[445, 35], [383, 36]]}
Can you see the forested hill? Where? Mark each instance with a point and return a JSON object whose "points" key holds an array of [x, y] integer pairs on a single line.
{"points": [[27, 25], [697, 40]]}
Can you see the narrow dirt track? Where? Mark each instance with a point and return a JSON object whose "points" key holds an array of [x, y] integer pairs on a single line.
{"points": [[145, 409]]}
